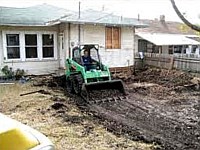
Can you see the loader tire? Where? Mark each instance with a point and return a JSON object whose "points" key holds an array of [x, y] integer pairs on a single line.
{"points": [[77, 83], [69, 85]]}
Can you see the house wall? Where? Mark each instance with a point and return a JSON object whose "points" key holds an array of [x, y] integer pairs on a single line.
{"points": [[95, 34], [1, 51], [31, 66]]}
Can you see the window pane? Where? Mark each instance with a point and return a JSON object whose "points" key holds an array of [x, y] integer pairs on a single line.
{"points": [[48, 52], [142, 46], [31, 39], [47, 39], [108, 37], [31, 52], [116, 38], [13, 52], [113, 38], [12, 39]]}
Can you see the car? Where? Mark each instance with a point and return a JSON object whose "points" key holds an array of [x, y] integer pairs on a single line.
{"points": [[17, 136]]}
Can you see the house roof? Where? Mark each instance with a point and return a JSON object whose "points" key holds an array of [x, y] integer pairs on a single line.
{"points": [[169, 27], [43, 15], [31, 16], [167, 39], [99, 17]]}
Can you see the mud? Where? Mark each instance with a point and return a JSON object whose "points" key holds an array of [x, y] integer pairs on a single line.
{"points": [[157, 113], [150, 121]]}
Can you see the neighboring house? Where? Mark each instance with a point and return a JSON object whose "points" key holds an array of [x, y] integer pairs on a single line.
{"points": [[167, 37], [168, 45], [38, 39]]}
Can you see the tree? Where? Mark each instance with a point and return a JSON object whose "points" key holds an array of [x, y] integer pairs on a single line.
{"points": [[194, 27]]}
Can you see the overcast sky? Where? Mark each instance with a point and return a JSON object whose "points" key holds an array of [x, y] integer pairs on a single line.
{"points": [[148, 9]]}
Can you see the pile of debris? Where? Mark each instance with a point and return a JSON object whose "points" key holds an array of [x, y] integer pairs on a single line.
{"points": [[162, 82], [167, 78], [50, 81]]}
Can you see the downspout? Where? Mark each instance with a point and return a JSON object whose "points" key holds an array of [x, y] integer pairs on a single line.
{"points": [[134, 50], [59, 47], [79, 26], [69, 38]]}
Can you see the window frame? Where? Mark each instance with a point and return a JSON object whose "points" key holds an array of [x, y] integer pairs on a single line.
{"points": [[5, 45], [13, 46], [47, 46], [112, 34]]}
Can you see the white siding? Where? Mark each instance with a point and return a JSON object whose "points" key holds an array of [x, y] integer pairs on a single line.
{"points": [[1, 51], [95, 34], [36, 67]]}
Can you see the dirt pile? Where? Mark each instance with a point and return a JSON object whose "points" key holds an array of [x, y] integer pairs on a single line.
{"points": [[160, 83], [164, 77]]}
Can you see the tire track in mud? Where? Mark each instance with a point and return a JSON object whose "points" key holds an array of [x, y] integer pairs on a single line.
{"points": [[144, 121]]}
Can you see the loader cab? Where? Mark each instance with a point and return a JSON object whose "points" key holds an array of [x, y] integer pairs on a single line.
{"points": [[79, 53], [90, 57]]}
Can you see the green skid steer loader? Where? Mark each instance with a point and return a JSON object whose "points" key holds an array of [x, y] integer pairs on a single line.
{"points": [[88, 77]]}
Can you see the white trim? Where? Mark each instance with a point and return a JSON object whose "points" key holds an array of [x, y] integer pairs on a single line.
{"points": [[5, 44], [22, 45], [54, 46], [110, 50], [39, 38]]}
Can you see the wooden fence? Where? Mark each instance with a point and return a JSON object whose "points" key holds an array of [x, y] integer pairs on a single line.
{"points": [[176, 61]]}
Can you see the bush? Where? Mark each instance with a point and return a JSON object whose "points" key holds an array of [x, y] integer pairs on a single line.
{"points": [[10, 74]]}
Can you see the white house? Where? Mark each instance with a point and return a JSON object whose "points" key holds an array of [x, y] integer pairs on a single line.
{"points": [[38, 39]]}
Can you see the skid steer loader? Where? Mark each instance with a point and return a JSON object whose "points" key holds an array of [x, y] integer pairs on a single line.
{"points": [[90, 78]]}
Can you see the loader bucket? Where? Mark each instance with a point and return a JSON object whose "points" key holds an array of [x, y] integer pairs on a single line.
{"points": [[104, 90]]}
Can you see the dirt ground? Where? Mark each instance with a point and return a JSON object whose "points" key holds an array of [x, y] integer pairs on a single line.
{"points": [[162, 110], [56, 115], [162, 107]]}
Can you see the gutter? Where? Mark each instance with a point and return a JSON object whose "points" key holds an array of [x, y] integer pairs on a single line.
{"points": [[105, 24]]}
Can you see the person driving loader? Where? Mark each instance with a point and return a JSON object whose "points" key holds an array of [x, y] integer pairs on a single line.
{"points": [[88, 62]]}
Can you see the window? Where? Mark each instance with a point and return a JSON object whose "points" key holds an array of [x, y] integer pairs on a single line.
{"points": [[48, 45], [142, 46], [13, 46], [170, 49], [177, 49], [113, 38], [31, 45]]}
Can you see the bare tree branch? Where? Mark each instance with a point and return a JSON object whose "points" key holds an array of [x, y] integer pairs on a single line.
{"points": [[194, 27]]}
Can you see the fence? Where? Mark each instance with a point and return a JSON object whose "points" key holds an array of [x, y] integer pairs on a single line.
{"points": [[186, 62]]}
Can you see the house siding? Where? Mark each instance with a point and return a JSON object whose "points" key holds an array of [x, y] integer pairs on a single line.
{"points": [[95, 34], [37, 67], [1, 51]]}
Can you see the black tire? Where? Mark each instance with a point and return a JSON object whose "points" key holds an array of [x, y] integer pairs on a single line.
{"points": [[77, 84], [69, 85]]}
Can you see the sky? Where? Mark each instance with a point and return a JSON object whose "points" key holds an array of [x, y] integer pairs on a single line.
{"points": [[147, 9]]}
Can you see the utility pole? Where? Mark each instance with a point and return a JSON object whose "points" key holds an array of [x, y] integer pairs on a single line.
{"points": [[79, 26]]}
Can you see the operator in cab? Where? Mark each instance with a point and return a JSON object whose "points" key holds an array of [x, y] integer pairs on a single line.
{"points": [[87, 60]]}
